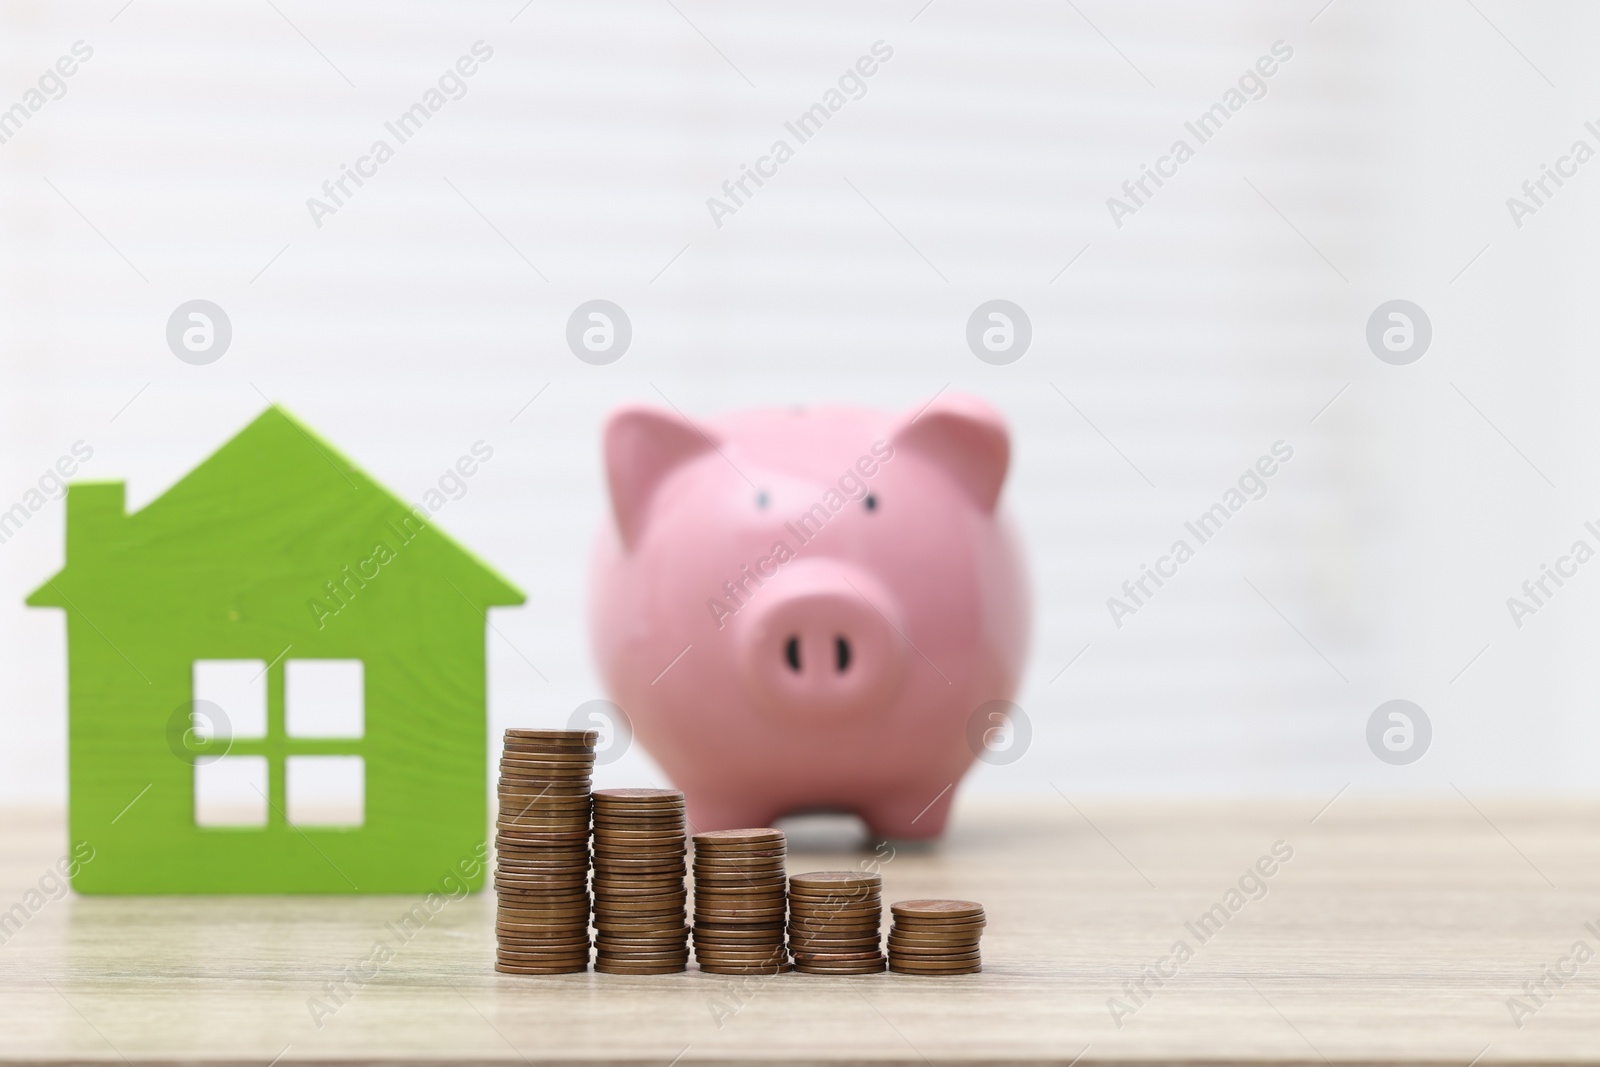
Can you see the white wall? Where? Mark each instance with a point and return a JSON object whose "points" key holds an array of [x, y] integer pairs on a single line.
{"points": [[1220, 318]]}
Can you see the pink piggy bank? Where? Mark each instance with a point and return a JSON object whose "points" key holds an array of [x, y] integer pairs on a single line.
{"points": [[802, 610]]}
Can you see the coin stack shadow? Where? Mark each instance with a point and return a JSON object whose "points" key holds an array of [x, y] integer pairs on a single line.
{"points": [[739, 901], [935, 937], [639, 893], [541, 876], [834, 919]]}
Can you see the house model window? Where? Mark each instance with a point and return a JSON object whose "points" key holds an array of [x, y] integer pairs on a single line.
{"points": [[292, 757]]}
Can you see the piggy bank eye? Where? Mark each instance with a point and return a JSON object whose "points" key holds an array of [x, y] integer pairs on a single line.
{"points": [[871, 502], [761, 500]]}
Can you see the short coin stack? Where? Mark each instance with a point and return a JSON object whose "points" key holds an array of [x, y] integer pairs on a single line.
{"points": [[935, 937], [541, 872], [833, 922], [739, 901], [639, 894]]}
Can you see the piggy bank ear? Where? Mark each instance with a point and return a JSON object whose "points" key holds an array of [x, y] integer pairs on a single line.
{"points": [[965, 437], [643, 446]]}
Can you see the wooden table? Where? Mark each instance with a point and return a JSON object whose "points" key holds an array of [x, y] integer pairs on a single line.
{"points": [[1396, 932]]}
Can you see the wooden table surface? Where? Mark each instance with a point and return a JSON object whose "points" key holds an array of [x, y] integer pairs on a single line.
{"points": [[1398, 931]]}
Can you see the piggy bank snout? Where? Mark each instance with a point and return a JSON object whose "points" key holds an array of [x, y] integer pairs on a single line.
{"points": [[825, 645]]}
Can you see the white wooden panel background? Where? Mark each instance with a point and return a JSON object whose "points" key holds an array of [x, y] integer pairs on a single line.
{"points": [[1222, 317]]}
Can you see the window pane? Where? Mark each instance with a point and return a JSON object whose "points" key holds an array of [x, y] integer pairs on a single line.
{"points": [[326, 790], [324, 698], [231, 791], [233, 698]]}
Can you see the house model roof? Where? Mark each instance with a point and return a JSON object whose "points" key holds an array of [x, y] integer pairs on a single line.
{"points": [[274, 497]]}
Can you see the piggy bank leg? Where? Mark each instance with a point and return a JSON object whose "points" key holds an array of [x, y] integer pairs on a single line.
{"points": [[914, 815], [708, 811]]}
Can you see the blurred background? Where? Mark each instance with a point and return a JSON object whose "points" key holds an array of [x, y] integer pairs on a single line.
{"points": [[1175, 339]]}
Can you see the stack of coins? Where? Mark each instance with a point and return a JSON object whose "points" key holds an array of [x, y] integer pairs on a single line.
{"points": [[541, 875], [639, 893], [738, 901], [833, 922], [935, 937]]}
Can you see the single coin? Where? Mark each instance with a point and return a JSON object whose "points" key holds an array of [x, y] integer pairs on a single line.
{"points": [[527, 837], [573, 822], [541, 952], [626, 797], [951, 960], [515, 795], [549, 921], [566, 944], [522, 750], [832, 944], [513, 787], [673, 917], [942, 933], [514, 782], [570, 968], [553, 880], [667, 892], [568, 811], [739, 837], [516, 892], [764, 879], [723, 939], [937, 909], [738, 892], [614, 967], [700, 915], [755, 852], [644, 925], [565, 737], [804, 919], [624, 859], [899, 936], [538, 766], [606, 844], [835, 880], [640, 884], [845, 956], [662, 956], [839, 968], [842, 895], [750, 932], [947, 957], [572, 898], [901, 968], [835, 914], [517, 747]]}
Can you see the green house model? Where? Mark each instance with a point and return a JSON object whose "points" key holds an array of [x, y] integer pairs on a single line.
{"points": [[276, 680]]}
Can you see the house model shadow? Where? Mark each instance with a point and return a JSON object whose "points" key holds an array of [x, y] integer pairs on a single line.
{"points": [[280, 631]]}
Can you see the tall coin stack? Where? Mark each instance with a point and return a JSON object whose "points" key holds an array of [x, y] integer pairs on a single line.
{"points": [[935, 937], [834, 921], [639, 894], [739, 901], [541, 875]]}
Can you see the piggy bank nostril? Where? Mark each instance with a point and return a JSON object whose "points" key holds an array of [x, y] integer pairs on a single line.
{"points": [[841, 649], [791, 653]]}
